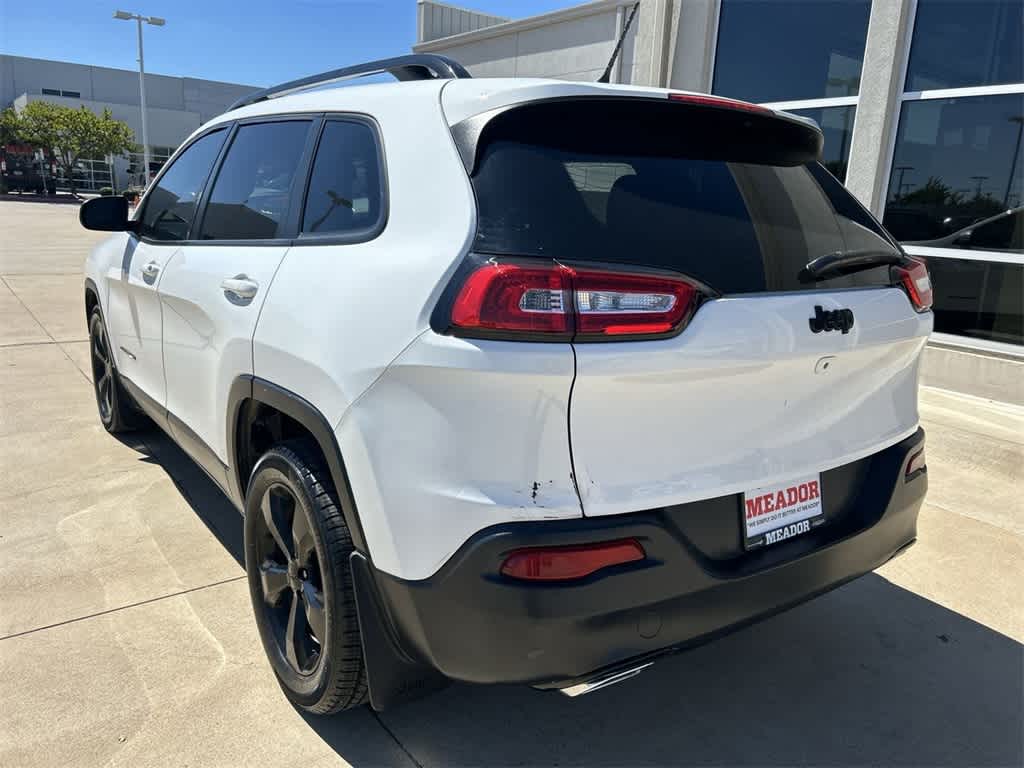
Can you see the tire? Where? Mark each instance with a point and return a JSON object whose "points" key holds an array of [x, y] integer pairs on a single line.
{"points": [[297, 547], [117, 412]]}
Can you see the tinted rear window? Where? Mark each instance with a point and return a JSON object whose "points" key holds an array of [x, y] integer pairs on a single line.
{"points": [[644, 195]]}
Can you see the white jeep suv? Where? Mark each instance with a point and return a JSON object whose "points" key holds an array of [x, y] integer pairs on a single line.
{"points": [[516, 380]]}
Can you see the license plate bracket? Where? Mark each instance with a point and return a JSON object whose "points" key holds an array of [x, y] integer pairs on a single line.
{"points": [[776, 513]]}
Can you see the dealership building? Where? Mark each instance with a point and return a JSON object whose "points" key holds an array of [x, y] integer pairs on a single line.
{"points": [[175, 106], [921, 103]]}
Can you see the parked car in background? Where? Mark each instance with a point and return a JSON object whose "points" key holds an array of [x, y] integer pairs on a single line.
{"points": [[516, 380], [1002, 232]]}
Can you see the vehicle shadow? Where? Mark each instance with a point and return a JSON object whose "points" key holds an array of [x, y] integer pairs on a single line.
{"points": [[870, 674], [206, 499]]}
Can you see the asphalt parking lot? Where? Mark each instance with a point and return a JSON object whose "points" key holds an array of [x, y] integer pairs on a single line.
{"points": [[126, 636]]}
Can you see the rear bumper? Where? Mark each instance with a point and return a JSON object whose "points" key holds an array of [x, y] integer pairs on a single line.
{"points": [[470, 623]]}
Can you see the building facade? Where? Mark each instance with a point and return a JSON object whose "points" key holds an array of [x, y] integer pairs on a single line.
{"points": [[175, 107], [921, 103]]}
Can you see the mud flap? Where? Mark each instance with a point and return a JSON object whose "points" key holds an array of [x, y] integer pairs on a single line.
{"points": [[393, 677]]}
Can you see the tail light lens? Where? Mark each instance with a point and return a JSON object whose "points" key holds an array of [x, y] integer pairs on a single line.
{"points": [[916, 282], [573, 562], [554, 300], [619, 304], [512, 297]]}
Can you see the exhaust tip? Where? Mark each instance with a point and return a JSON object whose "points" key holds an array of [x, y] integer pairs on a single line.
{"points": [[603, 680]]}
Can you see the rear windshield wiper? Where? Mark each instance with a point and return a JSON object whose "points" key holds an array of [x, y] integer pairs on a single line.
{"points": [[846, 262]]}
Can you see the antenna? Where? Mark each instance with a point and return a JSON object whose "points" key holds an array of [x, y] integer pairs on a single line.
{"points": [[618, 46]]}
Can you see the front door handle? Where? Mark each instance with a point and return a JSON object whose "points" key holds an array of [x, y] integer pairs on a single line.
{"points": [[239, 287], [150, 271]]}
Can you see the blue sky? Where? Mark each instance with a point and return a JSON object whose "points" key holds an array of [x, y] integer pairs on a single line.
{"points": [[258, 42]]}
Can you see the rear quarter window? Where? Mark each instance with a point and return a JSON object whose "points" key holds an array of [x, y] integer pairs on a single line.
{"points": [[346, 189]]}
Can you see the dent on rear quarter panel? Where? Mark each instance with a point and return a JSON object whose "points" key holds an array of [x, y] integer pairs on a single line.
{"points": [[455, 436]]}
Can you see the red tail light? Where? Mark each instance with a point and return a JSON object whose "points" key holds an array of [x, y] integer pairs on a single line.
{"points": [[718, 101], [516, 299], [573, 562], [512, 297], [917, 283]]}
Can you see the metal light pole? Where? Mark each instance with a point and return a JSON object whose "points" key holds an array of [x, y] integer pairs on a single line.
{"points": [[1019, 120], [156, 21], [899, 186]]}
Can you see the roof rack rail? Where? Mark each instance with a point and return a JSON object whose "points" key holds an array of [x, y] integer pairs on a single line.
{"points": [[416, 66]]}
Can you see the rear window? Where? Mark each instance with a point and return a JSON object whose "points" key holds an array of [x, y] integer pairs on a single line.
{"points": [[649, 186]]}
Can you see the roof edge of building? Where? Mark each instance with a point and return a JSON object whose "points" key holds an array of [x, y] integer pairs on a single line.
{"points": [[516, 25]]}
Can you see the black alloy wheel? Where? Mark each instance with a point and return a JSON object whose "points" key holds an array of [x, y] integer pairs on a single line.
{"points": [[102, 369], [117, 411], [290, 580], [297, 548]]}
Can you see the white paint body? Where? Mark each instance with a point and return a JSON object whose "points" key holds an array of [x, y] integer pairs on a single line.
{"points": [[443, 437], [734, 402]]}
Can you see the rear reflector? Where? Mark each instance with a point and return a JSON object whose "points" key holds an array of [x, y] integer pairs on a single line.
{"points": [[916, 464], [917, 283], [572, 562], [718, 101], [510, 298]]}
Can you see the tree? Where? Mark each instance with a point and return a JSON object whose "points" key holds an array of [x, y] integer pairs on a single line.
{"points": [[10, 126], [10, 132], [935, 192], [73, 134]]}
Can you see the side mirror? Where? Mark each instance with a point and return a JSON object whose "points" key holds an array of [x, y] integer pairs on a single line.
{"points": [[106, 214]]}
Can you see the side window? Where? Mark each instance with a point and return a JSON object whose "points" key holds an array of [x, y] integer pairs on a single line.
{"points": [[253, 187], [171, 204], [345, 196]]}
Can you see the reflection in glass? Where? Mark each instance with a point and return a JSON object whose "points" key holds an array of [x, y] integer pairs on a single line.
{"points": [[344, 192], [957, 162], [961, 43], [785, 50], [252, 190], [837, 125], [980, 299]]}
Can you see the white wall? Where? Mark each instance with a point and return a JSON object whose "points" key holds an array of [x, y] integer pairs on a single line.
{"points": [[434, 20], [572, 44], [167, 127], [205, 98]]}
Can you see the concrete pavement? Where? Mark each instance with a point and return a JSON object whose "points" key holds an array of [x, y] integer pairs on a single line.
{"points": [[126, 636]]}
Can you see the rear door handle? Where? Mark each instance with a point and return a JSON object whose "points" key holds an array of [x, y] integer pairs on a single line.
{"points": [[150, 271], [239, 287]]}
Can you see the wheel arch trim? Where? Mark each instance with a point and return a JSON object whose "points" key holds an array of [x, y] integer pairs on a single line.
{"points": [[90, 285], [296, 407]]}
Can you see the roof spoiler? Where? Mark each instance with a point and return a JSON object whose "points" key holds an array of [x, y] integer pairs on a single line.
{"points": [[417, 66]]}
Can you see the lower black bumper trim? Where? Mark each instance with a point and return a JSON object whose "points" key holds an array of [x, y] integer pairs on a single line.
{"points": [[469, 623]]}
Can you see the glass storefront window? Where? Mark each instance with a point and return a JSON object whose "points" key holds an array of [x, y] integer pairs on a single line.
{"points": [[961, 43], [957, 184], [789, 50], [837, 125], [978, 299], [957, 162]]}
